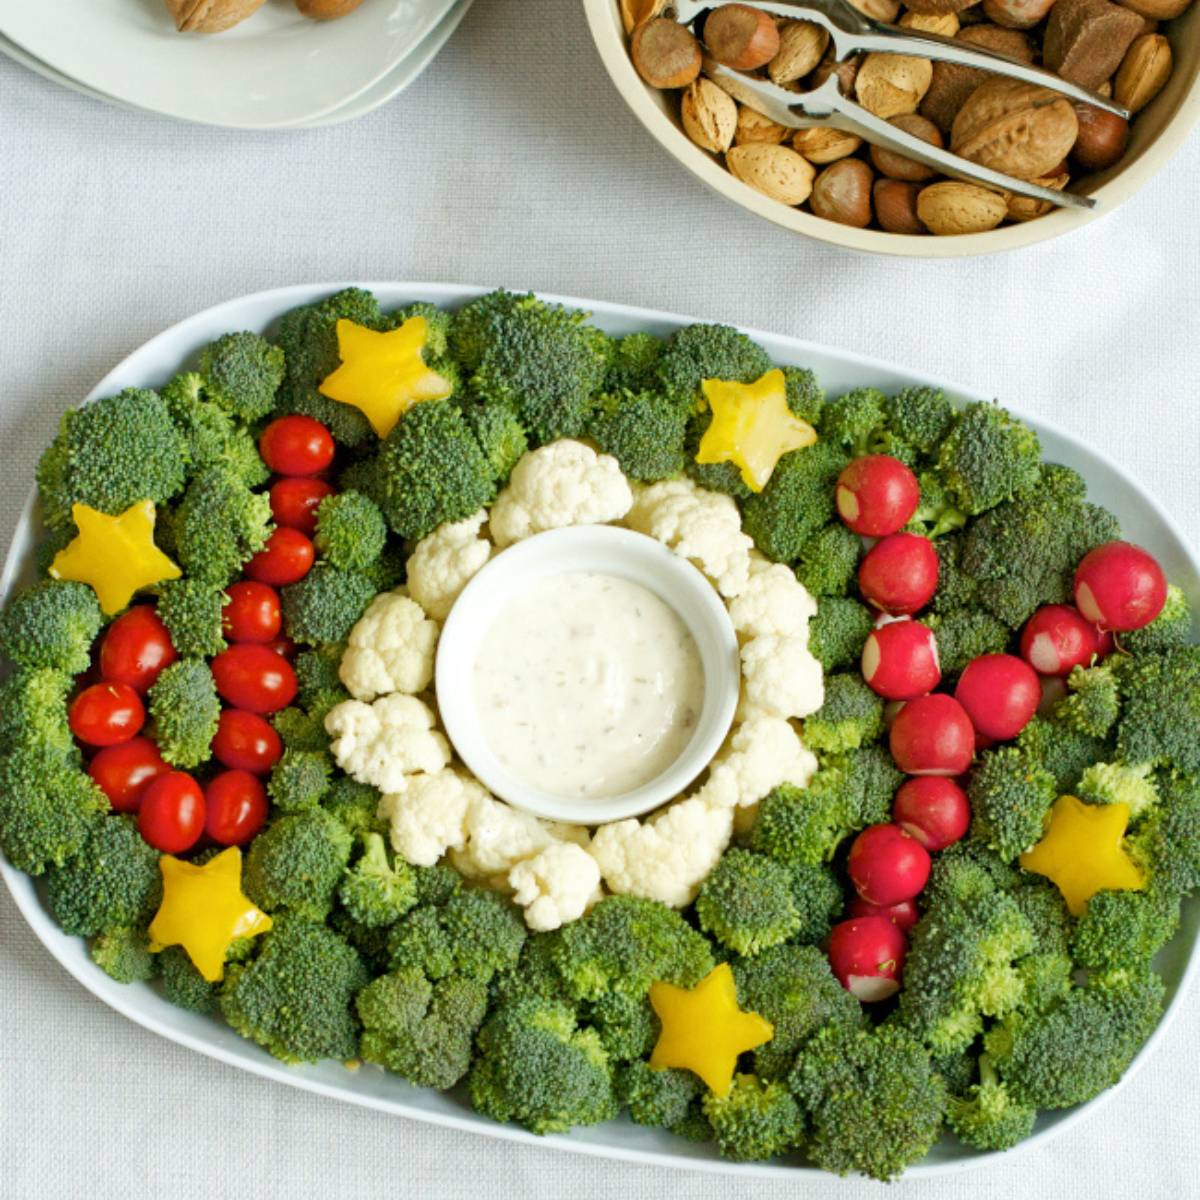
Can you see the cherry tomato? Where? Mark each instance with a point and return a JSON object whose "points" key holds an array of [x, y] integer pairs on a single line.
{"points": [[246, 742], [106, 714], [252, 612], [136, 648], [296, 446], [122, 772], [171, 816], [286, 558], [235, 807], [295, 500], [254, 678]]}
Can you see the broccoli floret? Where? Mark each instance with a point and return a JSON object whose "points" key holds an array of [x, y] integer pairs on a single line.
{"points": [[724, 477], [296, 863], [659, 1097], [123, 953], [242, 372], [534, 1065], [112, 881], [986, 1116], [219, 524], [33, 712], [793, 988], [806, 825], [212, 436], [873, 777], [805, 395], [1092, 704], [1079, 1046], [420, 1030], [318, 684], [500, 435], [796, 502], [754, 1120], [957, 587], [853, 420], [988, 457], [47, 809], [299, 780], [1062, 751], [1172, 627], [643, 431], [872, 1097], [746, 903], [110, 454], [837, 634], [828, 561], [699, 352], [627, 1025], [1010, 797], [1160, 720], [1124, 929], [191, 611], [1168, 842], [355, 806], [300, 731], [633, 363], [182, 984], [432, 470], [964, 634], [936, 513], [540, 360], [919, 417], [296, 998], [351, 530], [966, 871], [185, 710], [325, 605], [1116, 783], [471, 932], [535, 973], [851, 716], [308, 337], [51, 625], [376, 891]]}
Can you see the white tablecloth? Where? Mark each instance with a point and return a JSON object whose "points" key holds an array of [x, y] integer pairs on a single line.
{"points": [[512, 162]]}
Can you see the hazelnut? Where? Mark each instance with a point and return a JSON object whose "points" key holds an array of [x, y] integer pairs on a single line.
{"points": [[894, 164], [896, 206], [665, 54], [842, 193], [741, 37], [1101, 139], [326, 10]]}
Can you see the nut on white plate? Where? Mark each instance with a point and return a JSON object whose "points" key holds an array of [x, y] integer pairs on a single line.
{"points": [[210, 16], [776, 171]]}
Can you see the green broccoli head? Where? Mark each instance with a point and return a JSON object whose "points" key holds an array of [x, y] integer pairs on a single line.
{"points": [[241, 373], [110, 454], [851, 716], [964, 634], [218, 525], [1172, 627], [185, 710], [1092, 703], [191, 610], [754, 1120], [1122, 930], [318, 684], [571, 1083], [873, 778], [182, 984], [1062, 751], [112, 881], [471, 932], [500, 435], [828, 561], [1160, 718], [420, 1030], [986, 1117], [1010, 796], [657, 1096], [123, 954], [300, 730], [1116, 783], [51, 625], [376, 891], [213, 438], [627, 1025], [806, 825], [1168, 842], [633, 363], [354, 805], [644, 431], [326, 604], [351, 531], [936, 514], [919, 417], [296, 997], [296, 863], [33, 712], [837, 634], [988, 457], [747, 902], [699, 352], [299, 780], [873, 1099], [854, 420]]}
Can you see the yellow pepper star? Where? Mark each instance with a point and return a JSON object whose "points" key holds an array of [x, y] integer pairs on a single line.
{"points": [[752, 427], [203, 910], [115, 555], [703, 1030], [1082, 852], [383, 374]]}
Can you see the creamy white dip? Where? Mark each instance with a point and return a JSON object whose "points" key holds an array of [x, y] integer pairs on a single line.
{"points": [[588, 685]]}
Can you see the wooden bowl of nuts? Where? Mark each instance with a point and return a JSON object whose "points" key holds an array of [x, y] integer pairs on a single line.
{"points": [[832, 185]]}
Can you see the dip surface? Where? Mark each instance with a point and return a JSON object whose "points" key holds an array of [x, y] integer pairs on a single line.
{"points": [[588, 685]]}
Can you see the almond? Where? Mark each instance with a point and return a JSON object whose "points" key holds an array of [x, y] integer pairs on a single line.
{"points": [[943, 24], [752, 127], [801, 45], [951, 208], [1144, 72], [891, 84], [635, 12], [709, 115], [821, 144], [775, 171]]}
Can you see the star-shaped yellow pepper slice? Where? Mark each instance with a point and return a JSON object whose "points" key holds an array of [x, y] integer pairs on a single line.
{"points": [[383, 374], [1082, 852], [752, 426], [203, 910], [704, 1030], [115, 555]]}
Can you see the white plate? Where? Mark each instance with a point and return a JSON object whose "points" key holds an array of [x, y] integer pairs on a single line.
{"points": [[1142, 519], [275, 69]]}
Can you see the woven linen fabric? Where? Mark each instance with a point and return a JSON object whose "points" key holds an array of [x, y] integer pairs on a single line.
{"points": [[512, 161]]}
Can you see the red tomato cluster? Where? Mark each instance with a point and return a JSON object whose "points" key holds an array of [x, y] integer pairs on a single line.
{"points": [[253, 676]]}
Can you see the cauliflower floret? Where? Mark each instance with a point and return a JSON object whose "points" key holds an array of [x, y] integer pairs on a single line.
{"points": [[391, 649], [499, 837], [774, 603], [428, 815], [564, 483], [763, 752], [701, 526], [556, 886], [667, 857], [781, 677], [384, 742], [442, 564]]}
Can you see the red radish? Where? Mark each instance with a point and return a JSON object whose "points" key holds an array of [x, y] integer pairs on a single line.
{"points": [[1056, 639], [1000, 692], [877, 495], [867, 956], [900, 660], [900, 573], [932, 735], [903, 915], [887, 865], [932, 809], [1120, 586]]}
